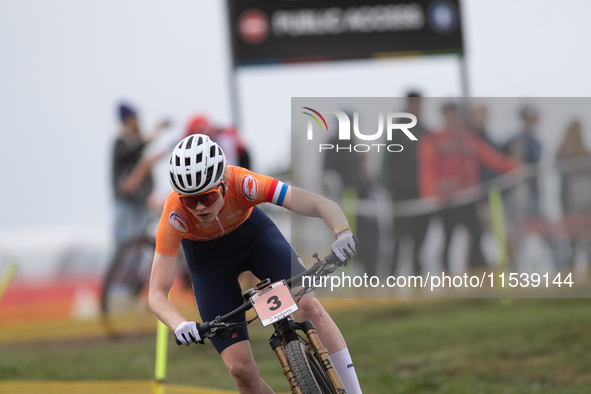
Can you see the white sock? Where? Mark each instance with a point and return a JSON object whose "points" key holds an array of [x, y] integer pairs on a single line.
{"points": [[344, 366]]}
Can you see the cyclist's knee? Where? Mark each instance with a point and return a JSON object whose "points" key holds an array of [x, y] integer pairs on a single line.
{"points": [[245, 375], [241, 365], [310, 309]]}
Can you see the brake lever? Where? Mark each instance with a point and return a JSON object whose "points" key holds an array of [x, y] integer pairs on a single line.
{"points": [[214, 325], [218, 328], [326, 266], [329, 269]]}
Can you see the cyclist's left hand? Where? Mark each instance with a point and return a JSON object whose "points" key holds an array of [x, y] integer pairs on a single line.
{"points": [[344, 247]]}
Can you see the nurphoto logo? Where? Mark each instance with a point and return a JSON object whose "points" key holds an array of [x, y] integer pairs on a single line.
{"points": [[345, 130]]}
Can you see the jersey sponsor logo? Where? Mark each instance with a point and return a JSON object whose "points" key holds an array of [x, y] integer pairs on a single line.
{"points": [[250, 187], [238, 212], [178, 222]]}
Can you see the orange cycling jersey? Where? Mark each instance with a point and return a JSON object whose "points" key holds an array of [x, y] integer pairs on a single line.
{"points": [[244, 190]]}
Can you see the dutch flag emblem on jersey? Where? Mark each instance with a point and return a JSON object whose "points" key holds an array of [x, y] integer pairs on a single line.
{"points": [[277, 192]]}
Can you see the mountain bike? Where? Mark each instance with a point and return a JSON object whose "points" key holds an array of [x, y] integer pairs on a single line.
{"points": [[304, 360]]}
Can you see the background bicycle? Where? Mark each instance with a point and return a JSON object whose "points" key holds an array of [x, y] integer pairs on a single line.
{"points": [[124, 293]]}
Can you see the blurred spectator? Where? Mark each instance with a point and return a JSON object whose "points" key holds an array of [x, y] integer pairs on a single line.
{"points": [[400, 176], [526, 148], [131, 175], [351, 168], [478, 120], [228, 139], [575, 192], [573, 159], [449, 161]]}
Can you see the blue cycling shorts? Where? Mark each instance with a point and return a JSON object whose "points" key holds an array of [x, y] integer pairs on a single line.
{"points": [[257, 246]]}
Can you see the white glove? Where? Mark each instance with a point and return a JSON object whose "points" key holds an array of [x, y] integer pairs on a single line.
{"points": [[187, 332], [344, 247]]}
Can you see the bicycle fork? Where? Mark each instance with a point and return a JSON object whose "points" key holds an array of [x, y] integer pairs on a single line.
{"points": [[284, 333]]}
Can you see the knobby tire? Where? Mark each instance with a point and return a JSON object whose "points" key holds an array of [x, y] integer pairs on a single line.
{"points": [[304, 373]]}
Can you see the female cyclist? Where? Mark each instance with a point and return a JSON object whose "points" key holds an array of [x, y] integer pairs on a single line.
{"points": [[212, 212]]}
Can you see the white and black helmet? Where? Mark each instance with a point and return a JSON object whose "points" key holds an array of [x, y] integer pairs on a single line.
{"points": [[197, 164]]}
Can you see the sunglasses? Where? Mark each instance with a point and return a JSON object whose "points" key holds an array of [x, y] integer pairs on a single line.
{"points": [[207, 198]]}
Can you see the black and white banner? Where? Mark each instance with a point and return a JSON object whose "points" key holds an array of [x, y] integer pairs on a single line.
{"points": [[283, 31]]}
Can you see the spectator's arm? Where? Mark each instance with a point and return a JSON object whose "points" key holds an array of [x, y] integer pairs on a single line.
{"points": [[426, 172], [491, 158], [161, 126], [130, 184]]}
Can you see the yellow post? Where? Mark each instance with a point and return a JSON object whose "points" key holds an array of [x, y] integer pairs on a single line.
{"points": [[498, 225], [161, 352], [161, 356], [497, 219], [7, 277]]}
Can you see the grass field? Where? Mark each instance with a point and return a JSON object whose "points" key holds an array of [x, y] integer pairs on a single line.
{"points": [[447, 346]]}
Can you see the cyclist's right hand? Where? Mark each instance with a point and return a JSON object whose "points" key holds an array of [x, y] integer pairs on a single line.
{"points": [[187, 332], [345, 247]]}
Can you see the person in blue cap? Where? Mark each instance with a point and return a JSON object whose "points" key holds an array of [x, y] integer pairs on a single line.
{"points": [[131, 174]]}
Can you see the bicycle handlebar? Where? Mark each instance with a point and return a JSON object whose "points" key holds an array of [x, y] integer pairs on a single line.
{"points": [[321, 267], [328, 260]]}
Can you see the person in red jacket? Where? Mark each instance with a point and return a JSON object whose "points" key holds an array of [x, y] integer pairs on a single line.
{"points": [[449, 161], [228, 138]]}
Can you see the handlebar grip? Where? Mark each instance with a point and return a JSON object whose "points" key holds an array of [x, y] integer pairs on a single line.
{"points": [[203, 329], [332, 259]]}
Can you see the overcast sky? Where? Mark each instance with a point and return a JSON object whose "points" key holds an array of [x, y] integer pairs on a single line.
{"points": [[64, 64]]}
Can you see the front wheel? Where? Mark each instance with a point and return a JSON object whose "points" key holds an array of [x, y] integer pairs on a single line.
{"points": [[309, 375]]}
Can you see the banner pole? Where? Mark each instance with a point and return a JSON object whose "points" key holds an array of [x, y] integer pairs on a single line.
{"points": [[232, 74]]}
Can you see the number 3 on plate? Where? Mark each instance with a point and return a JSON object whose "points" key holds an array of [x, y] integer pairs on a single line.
{"points": [[276, 303]]}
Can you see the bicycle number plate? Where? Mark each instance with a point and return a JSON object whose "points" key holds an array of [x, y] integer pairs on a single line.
{"points": [[274, 303]]}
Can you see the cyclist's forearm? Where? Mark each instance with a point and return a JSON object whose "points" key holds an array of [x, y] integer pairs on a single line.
{"points": [[164, 310], [332, 214], [309, 204], [161, 281]]}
